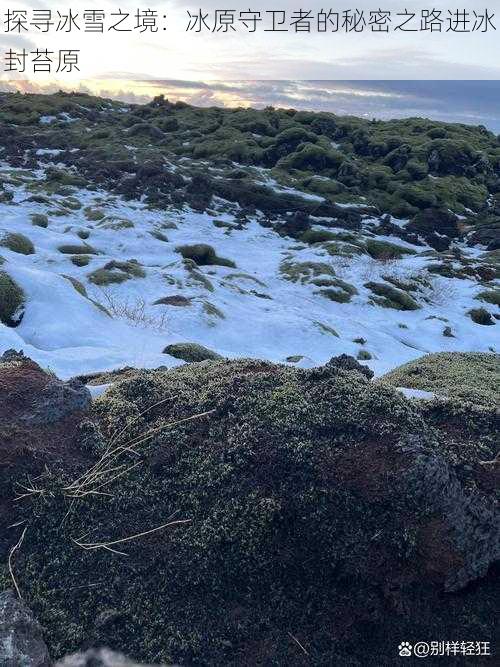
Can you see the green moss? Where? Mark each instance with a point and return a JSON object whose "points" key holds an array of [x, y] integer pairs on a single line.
{"points": [[17, 243], [340, 291], [304, 272], [80, 260], [197, 276], [79, 287], [11, 301], [291, 489], [116, 224], [325, 329], [103, 277], [481, 316], [490, 296], [203, 255], [159, 236], [406, 286], [72, 203], [390, 297], [191, 352], [317, 236], [39, 220], [93, 214], [213, 311], [312, 157], [363, 355], [74, 249], [116, 272], [471, 376], [384, 250]]}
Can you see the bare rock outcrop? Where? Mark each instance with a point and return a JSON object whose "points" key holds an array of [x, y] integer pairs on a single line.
{"points": [[21, 641]]}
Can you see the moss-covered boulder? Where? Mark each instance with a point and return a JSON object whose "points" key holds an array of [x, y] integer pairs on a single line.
{"points": [[191, 352], [11, 301], [203, 255], [240, 512], [391, 297], [39, 220], [17, 243], [481, 316], [116, 272]]}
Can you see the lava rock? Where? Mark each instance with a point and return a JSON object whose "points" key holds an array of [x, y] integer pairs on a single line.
{"points": [[21, 641]]}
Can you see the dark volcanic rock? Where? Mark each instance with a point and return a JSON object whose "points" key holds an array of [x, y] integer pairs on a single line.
{"points": [[488, 235], [21, 642], [434, 220], [39, 398], [39, 421]]}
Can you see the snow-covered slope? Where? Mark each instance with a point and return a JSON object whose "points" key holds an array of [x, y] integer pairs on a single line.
{"points": [[272, 304]]}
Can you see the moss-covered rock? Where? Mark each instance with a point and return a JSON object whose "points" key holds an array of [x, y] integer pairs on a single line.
{"points": [[203, 255], [73, 249], [305, 272], [191, 352], [17, 243], [384, 250], [481, 316], [116, 272], [11, 301], [337, 290], [390, 297], [39, 220], [80, 260], [94, 214], [490, 296], [300, 502]]}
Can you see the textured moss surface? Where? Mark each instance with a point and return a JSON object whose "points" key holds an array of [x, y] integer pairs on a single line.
{"points": [[11, 300], [17, 243], [471, 375], [320, 507]]}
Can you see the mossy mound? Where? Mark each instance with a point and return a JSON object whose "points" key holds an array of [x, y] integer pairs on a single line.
{"points": [[191, 352], [490, 296], [313, 506], [80, 260], [335, 289], [390, 297], [11, 301], [39, 220], [383, 250], [481, 316], [403, 167], [116, 272], [204, 255], [473, 376], [74, 249], [17, 243]]}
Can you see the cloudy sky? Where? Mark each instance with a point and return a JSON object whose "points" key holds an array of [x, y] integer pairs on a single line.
{"points": [[447, 75]]}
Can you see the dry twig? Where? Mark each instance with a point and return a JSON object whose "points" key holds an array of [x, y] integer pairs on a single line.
{"points": [[11, 554], [89, 546]]}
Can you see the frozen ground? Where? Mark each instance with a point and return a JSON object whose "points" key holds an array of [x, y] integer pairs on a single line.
{"points": [[253, 310]]}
